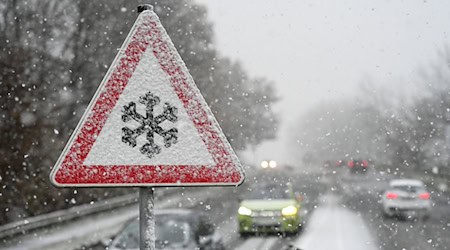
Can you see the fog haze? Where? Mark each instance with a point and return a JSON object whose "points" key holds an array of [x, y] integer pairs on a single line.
{"points": [[320, 50]]}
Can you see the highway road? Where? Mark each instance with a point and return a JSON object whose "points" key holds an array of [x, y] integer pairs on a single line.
{"points": [[341, 212]]}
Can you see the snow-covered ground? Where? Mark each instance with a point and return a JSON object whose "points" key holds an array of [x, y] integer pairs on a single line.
{"points": [[259, 243], [333, 227]]}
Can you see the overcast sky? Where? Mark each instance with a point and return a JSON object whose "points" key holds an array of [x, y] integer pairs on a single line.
{"points": [[316, 50]]}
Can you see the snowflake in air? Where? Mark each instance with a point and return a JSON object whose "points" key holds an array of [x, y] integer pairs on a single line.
{"points": [[149, 124]]}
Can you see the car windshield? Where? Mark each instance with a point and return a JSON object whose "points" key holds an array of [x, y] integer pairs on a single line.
{"points": [[409, 188], [170, 232], [269, 193]]}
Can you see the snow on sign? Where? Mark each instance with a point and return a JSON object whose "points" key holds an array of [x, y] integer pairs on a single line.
{"points": [[148, 124]]}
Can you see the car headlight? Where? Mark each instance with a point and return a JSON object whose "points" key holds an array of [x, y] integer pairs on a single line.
{"points": [[245, 211], [289, 210]]}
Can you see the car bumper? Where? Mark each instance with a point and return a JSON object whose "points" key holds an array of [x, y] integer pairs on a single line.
{"points": [[288, 224], [402, 208]]}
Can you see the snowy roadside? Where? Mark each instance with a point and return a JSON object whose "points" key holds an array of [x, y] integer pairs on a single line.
{"points": [[89, 230]]}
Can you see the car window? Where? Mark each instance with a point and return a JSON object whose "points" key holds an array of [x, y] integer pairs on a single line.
{"points": [[409, 188], [170, 232]]}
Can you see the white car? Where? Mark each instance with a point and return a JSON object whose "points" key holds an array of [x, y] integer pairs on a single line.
{"points": [[406, 198]]}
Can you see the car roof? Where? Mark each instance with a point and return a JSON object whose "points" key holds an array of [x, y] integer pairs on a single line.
{"points": [[175, 211], [406, 182]]}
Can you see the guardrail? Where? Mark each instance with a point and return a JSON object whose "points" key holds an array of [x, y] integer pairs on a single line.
{"points": [[60, 216], [31, 223]]}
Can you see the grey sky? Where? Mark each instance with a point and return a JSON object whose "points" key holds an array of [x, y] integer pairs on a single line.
{"points": [[317, 50]]}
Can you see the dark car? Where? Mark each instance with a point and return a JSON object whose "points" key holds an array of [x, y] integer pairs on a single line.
{"points": [[358, 166], [176, 229]]}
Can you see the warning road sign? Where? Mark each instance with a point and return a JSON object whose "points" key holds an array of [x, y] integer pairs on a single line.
{"points": [[148, 124]]}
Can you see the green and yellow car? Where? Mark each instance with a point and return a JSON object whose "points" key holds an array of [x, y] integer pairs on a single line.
{"points": [[270, 209]]}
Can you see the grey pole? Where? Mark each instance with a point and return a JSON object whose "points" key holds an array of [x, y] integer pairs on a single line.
{"points": [[147, 235]]}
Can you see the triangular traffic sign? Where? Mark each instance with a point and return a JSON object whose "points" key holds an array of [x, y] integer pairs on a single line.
{"points": [[147, 124]]}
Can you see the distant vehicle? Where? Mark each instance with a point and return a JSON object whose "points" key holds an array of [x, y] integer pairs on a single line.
{"points": [[177, 229], [270, 209], [406, 198], [339, 163], [358, 166]]}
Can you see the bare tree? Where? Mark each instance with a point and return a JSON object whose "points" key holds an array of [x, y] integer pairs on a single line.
{"points": [[53, 55]]}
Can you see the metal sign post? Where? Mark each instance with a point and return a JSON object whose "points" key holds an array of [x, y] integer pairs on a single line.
{"points": [[147, 234]]}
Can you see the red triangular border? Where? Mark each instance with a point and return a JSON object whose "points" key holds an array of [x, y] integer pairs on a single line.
{"points": [[147, 32]]}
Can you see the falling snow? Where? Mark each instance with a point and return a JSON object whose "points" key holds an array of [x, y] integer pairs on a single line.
{"points": [[345, 150]]}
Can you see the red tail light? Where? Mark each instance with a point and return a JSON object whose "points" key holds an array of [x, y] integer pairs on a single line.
{"points": [[351, 164], [424, 196], [365, 163], [391, 196]]}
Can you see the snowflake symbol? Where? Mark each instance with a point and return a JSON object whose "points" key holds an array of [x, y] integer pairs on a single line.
{"points": [[149, 124]]}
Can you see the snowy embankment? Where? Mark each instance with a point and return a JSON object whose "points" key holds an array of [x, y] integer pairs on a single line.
{"points": [[334, 227]]}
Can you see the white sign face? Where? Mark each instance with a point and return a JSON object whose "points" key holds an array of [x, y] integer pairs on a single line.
{"points": [[148, 124], [109, 149]]}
